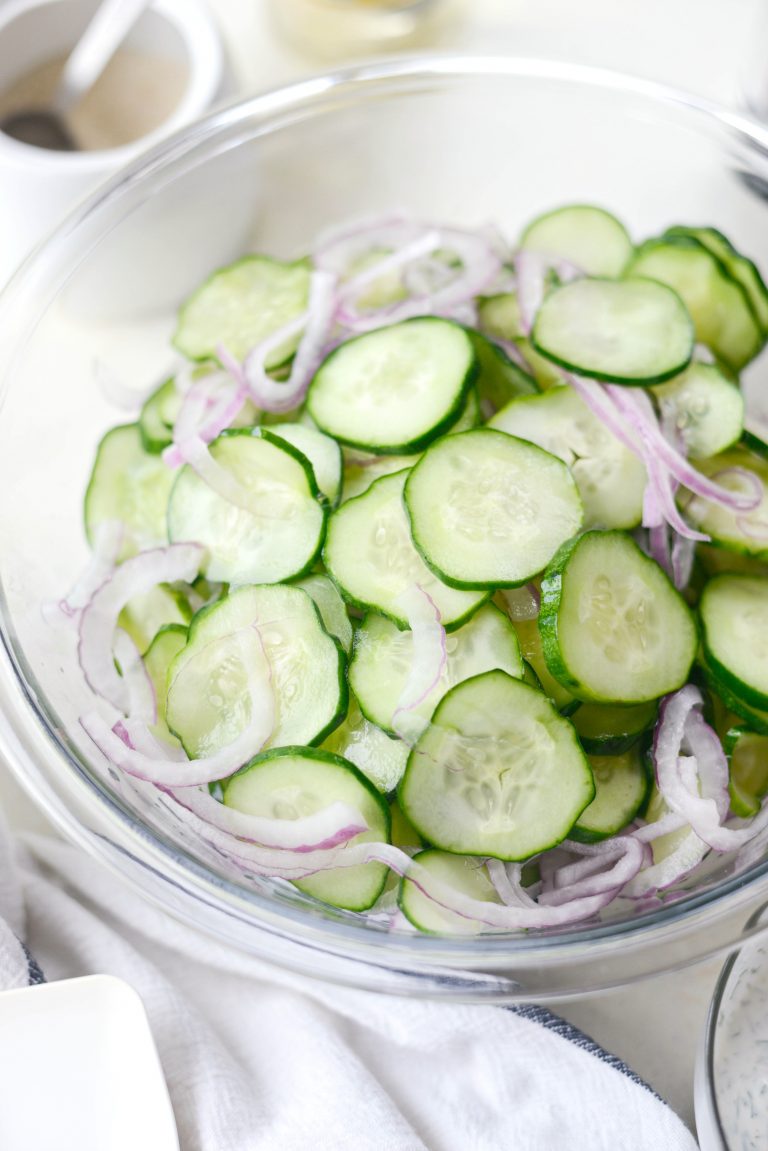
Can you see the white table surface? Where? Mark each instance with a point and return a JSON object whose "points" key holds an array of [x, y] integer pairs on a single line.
{"points": [[702, 45]]}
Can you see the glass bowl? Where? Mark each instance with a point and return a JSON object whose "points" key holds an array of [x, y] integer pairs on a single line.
{"points": [[452, 139]]}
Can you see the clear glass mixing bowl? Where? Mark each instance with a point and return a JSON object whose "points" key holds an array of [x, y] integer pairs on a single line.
{"points": [[457, 140]]}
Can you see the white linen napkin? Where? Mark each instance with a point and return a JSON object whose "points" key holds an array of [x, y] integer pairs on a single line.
{"points": [[258, 1059]]}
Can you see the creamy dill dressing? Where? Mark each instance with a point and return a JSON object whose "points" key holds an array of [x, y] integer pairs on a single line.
{"points": [[741, 1053]]}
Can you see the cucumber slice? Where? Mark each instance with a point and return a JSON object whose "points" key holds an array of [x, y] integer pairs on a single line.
{"points": [[489, 510], [747, 753], [498, 772], [160, 654], [716, 560], [609, 730], [361, 471], [625, 331], [208, 698], [383, 655], [404, 834], [622, 785], [738, 267], [546, 374], [369, 554], [131, 485], [323, 453], [298, 781], [244, 547], [589, 237], [158, 415], [333, 610], [530, 677], [704, 408], [533, 653], [500, 379], [734, 617], [380, 758], [240, 306], [742, 532], [499, 316], [721, 313], [393, 390], [144, 615], [467, 875], [754, 718], [613, 627], [611, 480]]}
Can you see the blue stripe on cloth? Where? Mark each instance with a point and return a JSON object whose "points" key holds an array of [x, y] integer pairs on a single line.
{"points": [[35, 971], [567, 1031]]}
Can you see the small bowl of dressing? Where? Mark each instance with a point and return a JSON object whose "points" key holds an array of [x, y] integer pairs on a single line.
{"points": [[731, 1085], [168, 71]]}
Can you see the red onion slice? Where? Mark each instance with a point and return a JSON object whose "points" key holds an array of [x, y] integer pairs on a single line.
{"points": [[98, 620], [282, 396], [606, 868], [480, 264], [107, 541], [328, 828], [142, 703], [429, 659], [639, 414], [505, 877], [211, 404], [195, 452], [673, 868], [338, 248]]}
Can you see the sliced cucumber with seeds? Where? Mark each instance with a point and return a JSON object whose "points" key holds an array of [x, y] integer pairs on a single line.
{"points": [[611, 479], [613, 627], [490, 510], [240, 306], [383, 655], [622, 785], [498, 772], [160, 654], [721, 313], [738, 267], [280, 538], [742, 532], [704, 408], [132, 485], [369, 554], [393, 390], [208, 686], [625, 331], [297, 781], [734, 617], [461, 873], [144, 615], [747, 753], [333, 610], [606, 729], [500, 379], [378, 756], [589, 237], [323, 453]]}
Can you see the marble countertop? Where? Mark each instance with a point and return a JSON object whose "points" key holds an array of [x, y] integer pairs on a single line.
{"points": [[702, 45]]}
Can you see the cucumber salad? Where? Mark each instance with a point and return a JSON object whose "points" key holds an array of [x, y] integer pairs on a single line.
{"points": [[433, 582]]}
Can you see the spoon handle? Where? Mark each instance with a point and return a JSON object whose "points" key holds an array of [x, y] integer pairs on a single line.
{"points": [[96, 47]]}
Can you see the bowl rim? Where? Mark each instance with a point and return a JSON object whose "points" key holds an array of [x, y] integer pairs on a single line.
{"points": [[271, 109]]}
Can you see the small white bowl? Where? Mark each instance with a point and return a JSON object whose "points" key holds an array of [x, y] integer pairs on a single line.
{"points": [[731, 1079], [39, 186]]}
